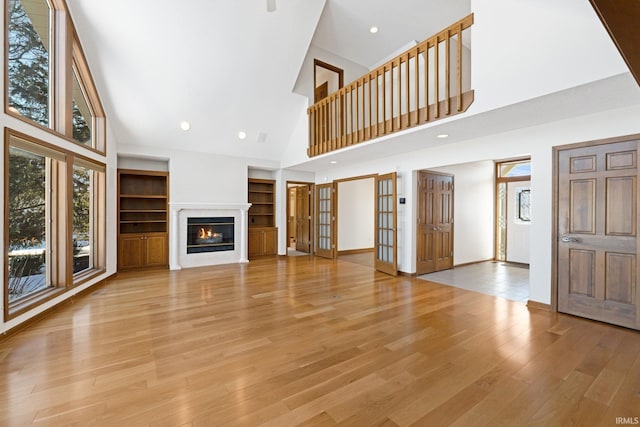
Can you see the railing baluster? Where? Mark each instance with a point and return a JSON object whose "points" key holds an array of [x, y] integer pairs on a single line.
{"points": [[384, 101], [426, 82], [351, 111], [436, 73], [416, 89], [357, 111], [332, 123], [391, 97], [408, 92], [459, 68], [447, 89], [343, 118]]}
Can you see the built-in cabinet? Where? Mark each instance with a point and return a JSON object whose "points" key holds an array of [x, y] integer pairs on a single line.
{"points": [[263, 241], [143, 198], [263, 234]]}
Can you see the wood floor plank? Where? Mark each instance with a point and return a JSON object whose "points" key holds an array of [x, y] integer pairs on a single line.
{"points": [[303, 340]]}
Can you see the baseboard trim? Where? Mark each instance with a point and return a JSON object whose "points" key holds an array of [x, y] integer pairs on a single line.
{"points": [[356, 251], [538, 305], [38, 317]]}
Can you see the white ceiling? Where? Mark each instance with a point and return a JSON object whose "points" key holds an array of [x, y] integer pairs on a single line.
{"points": [[227, 66], [344, 27]]}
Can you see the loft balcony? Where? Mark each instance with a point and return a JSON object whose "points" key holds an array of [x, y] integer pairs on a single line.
{"points": [[427, 82]]}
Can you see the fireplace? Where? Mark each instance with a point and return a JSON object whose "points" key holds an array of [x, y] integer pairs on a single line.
{"points": [[210, 234], [200, 213]]}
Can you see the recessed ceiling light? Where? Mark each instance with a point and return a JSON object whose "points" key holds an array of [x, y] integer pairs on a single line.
{"points": [[333, 162], [185, 125], [373, 29], [271, 5], [443, 135], [242, 134]]}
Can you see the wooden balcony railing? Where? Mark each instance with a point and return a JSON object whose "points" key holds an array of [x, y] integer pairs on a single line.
{"points": [[425, 83]]}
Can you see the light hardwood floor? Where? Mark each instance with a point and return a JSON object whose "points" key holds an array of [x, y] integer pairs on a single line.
{"points": [[302, 340]]}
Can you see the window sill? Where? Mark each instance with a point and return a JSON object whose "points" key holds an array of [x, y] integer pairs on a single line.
{"points": [[27, 303]]}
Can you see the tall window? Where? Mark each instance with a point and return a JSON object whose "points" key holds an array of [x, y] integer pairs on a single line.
{"points": [[88, 208], [49, 248], [31, 201], [82, 221], [81, 115], [55, 197], [28, 59]]}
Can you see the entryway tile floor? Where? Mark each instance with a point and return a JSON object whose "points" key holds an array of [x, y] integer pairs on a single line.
{"points": [[500, 279]]}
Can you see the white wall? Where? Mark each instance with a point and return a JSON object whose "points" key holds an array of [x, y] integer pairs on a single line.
{"points": [[534, 141], [199, 177], [143, 163], [356, 221], [522, 49], [473, 210]]}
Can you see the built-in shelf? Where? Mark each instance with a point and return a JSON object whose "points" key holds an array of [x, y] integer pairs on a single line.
{"points": [[263, 235], [143, 198]]}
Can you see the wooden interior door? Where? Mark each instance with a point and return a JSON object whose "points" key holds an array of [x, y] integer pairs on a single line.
{"points": [[321, 92], [291, 217], [434, 249], [386, 239], [303, 218], [325, 220], [597, 224]]}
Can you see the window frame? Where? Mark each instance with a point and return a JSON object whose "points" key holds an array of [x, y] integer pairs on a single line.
{"points": [[65, 54], [59, 222]]}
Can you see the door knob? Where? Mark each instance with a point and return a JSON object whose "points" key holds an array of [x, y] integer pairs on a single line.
{"points": [[569, 239]]}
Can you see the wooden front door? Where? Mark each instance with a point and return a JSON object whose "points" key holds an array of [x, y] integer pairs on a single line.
{"points": [[325, 220], [303, 218], [435, 222], [386, 239], [597, 224]]}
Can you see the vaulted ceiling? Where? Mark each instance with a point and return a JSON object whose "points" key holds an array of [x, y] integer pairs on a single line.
{"points": [[227, 66]]}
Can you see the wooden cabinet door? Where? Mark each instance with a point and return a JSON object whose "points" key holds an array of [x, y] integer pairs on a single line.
{"points": [[156, 250], [255, 242], [270, 241], [263, 241], [597, 224], [434, 249], [131, 251]]}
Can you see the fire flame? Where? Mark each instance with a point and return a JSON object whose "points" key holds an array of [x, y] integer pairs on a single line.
{"points": [[203, 234]]}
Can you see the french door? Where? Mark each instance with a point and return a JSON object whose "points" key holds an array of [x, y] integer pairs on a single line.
{"points": [[386, 239], [325, 220]]}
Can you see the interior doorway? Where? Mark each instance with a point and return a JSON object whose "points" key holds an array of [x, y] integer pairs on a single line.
{"points": [[327, 79], [299, 218], [474, 265], [355, 225], [434, 247]]}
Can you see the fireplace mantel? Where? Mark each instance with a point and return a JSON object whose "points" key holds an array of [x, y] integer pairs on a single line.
{"points": [[178, 257]]}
